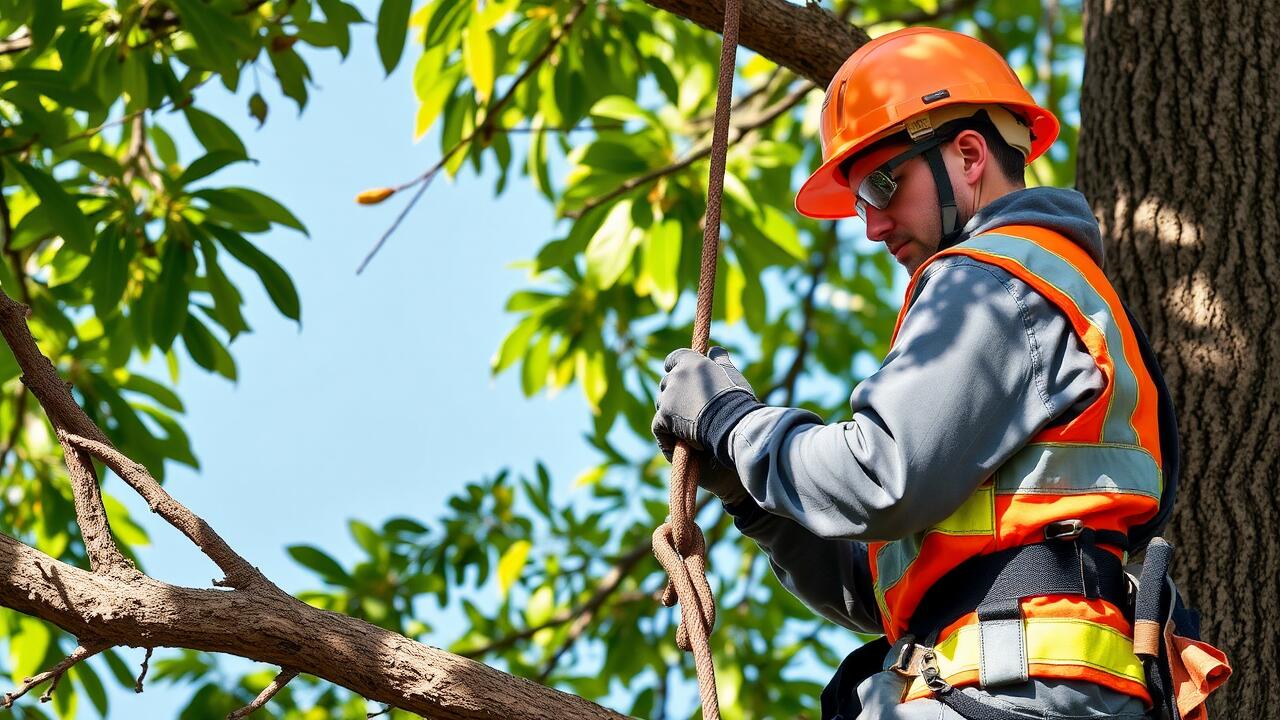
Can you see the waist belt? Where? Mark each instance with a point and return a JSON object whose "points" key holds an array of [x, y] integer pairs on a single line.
{"points": [[1069, 562]]}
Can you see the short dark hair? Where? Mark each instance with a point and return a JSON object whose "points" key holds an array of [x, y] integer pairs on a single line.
{"points": [[1009, 159]]}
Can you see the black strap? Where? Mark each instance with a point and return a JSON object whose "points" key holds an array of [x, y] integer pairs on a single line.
{"points": [[946, 199], [972, 708], [1053, 567]]}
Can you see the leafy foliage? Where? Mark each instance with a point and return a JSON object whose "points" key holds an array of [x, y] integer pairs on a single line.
{"points": [[121, 247]]}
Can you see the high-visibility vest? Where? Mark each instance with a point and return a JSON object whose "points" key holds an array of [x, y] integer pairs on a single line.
{"points": [[1103, 468]]}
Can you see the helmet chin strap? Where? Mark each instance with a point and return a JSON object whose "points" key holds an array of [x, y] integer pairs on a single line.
{"points": [[951, 227]]}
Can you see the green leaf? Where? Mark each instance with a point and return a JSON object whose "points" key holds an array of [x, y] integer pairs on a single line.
{"points": [[541, 605], [226, 298], [44, 25], [212, 133], [511, 564], [258, 108], [206, 350], [277, 282], [109, 270], [62, 209], [170, 295], [782, 231], [366, 537], [477, 57], [660, 265], [154, 390], [207, 165], [268, 208], [514, 345], [533, 374], [393, 25], [293, 74], [219, 40], [28, 647], [610, 250], [315, 559], [620, 107], [433, 85]]}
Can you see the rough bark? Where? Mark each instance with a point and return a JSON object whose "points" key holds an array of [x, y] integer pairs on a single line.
{"points": [[1178, 155], [270, 626], [807, 38]]}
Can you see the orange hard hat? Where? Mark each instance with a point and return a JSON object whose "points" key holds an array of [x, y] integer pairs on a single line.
{"points": [[915, 79]]}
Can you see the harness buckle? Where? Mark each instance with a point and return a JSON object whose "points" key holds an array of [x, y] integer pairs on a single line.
{"points": [[930, 674], [1064, 529], [906, 653]]}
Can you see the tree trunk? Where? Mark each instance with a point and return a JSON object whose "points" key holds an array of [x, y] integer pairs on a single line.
{"points": [[1178, 155]]}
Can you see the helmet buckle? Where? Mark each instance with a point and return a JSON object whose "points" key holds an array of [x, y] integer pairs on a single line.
{"points": [[919, 128]]}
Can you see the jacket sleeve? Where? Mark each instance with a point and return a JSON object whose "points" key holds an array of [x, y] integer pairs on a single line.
{"points": [[981, 363], [842, 593]]}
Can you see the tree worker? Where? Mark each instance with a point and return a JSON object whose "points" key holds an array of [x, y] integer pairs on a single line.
{"points": [[1016, 441]]}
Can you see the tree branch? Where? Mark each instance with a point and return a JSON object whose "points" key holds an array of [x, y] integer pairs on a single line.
{"points": [[239, 572], [278, 629], [769, 115], [265, 696], [83, 651], [806, 38]]}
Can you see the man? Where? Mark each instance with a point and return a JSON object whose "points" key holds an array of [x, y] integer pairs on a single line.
{"points": [[977, 505]]}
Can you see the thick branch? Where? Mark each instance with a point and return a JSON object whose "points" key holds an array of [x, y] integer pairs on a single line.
{"points": [[239, 573], [277, 629], [806, 38]]}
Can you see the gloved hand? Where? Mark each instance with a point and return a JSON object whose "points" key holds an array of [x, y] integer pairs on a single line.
{"points": [[699, 401]]}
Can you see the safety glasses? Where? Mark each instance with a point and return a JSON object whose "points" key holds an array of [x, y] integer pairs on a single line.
{"points": [[878, 187]]}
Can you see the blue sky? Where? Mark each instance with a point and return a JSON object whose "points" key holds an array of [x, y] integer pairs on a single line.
{"points": [[381, 403]]}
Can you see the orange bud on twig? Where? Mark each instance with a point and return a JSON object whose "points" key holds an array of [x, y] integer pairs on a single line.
{"points": [[374, 196]]}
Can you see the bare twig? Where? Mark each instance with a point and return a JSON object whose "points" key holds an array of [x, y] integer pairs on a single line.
{"points": [[83, 651], [267, 693], [606, 587], [484, 130], [15, 44], [239, 573], [385, 709], [767, 116], [146, 660]]}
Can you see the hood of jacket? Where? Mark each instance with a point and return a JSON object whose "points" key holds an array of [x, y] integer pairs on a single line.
{"points": [[1061, 210]]}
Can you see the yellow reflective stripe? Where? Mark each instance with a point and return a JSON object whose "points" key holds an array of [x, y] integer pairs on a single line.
{"points": [[1050, 641], [1071, 468], [977, 516]]}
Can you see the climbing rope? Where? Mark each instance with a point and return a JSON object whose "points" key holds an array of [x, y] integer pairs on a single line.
{"points": [[679, 543]]}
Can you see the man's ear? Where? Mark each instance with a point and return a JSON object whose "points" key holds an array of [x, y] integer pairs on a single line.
{"points": [[974, 154]]}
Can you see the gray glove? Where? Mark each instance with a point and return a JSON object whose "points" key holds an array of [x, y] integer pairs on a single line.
{"points": [[700, 401]]}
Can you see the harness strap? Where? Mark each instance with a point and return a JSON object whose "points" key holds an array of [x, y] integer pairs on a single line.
{"points": [[1074, 565]]}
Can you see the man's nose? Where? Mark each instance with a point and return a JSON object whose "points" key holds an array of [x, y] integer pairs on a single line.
{"points": [[879, 224]]}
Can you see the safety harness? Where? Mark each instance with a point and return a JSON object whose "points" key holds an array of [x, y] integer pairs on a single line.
{"points": [[1072, 560]]}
